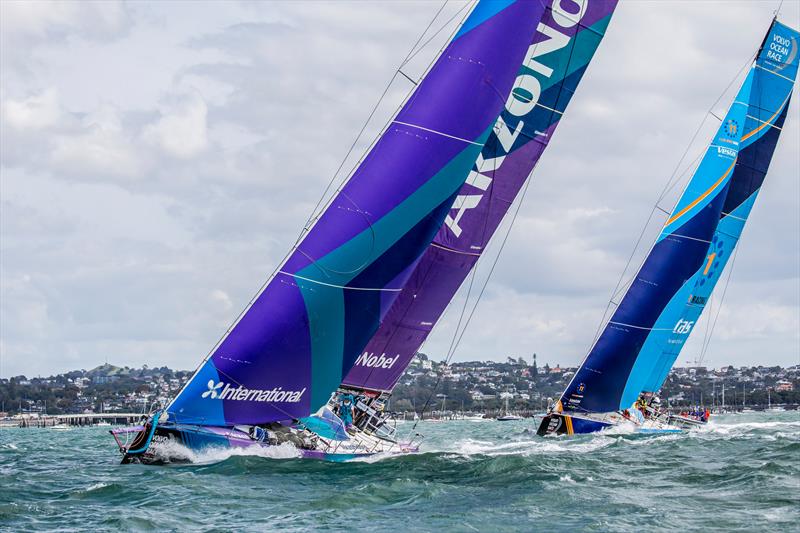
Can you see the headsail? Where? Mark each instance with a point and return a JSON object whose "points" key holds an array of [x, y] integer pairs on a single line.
{"points": [[290, 349], [774, 75], [560, 51], [599, 385]]}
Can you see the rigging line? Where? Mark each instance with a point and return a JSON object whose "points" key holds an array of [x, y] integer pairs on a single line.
{"points": [[366, 123], [411, 56], [386, 126], [719, 307], [430, 65]]}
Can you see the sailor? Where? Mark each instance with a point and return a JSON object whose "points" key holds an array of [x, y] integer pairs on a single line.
{"points": [[346, 403], [655, 405]]}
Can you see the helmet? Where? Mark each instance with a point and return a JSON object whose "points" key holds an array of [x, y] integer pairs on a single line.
{"points": [[656, 400]]}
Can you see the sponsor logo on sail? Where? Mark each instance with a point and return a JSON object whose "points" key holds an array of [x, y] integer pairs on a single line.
{"points": [[731, 128], [212, 389], [370, 360], [224, 391], [683, 327], [521, 102]]}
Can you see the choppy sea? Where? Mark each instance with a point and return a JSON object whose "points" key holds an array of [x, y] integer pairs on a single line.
{"points": [[741, 473]]}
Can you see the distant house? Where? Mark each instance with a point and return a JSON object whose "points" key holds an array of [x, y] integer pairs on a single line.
{"points": [[784, 386]]}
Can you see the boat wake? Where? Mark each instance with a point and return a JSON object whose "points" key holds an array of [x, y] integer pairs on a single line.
{"points": [[745, 429], [172, 451]]}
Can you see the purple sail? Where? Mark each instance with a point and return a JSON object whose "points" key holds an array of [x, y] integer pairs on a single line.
{"points": [[291, 348], [560, 51]]}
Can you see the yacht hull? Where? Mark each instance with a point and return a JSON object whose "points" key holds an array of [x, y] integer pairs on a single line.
{"points": [[171, 443], [563, 424]]}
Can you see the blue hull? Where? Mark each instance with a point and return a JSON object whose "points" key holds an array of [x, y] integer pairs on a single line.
{"points": [[561, 424]]}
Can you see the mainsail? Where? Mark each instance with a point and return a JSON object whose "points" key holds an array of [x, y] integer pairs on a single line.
{"points": [[559, 53], [289, 351], [640, 342], [679, 251], [773, 80]]}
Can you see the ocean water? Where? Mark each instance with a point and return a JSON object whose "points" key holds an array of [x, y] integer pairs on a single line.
{"points": [[741, 473]]}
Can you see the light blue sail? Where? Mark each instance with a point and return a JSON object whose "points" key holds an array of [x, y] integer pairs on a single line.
{"points": [[612, 375], [773, 76]]}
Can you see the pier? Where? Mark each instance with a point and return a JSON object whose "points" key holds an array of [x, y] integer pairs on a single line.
{"points": [[82, 419]]}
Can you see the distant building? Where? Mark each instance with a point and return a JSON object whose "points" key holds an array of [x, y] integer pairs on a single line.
{"points": [[784, 386]]}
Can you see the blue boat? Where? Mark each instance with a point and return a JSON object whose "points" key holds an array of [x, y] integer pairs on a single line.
{"points": [[619, 380]]}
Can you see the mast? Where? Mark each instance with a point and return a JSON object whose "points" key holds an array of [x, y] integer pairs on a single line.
{"points": [[290, 349], [559, 53]]}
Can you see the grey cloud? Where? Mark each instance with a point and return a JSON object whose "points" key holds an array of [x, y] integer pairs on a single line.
{"points": [[173, 163]]}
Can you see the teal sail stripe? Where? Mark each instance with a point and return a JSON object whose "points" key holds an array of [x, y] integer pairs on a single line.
{"points": [[325, 304]]}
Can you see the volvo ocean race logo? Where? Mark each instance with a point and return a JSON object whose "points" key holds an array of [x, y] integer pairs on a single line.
{"points": [[782, 50], [243, 394], [522, 101], [370, 360]]}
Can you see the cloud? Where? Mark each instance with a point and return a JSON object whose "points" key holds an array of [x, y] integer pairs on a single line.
{"points": [[156, 162], [34, 112], [181, 131], [100, 147]]}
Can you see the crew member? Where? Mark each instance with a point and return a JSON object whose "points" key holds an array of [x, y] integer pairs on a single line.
{"points": [[346, 404]]}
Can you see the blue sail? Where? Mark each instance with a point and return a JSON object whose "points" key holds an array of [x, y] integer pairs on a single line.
{"points": [[774, 74], [679, 251]]}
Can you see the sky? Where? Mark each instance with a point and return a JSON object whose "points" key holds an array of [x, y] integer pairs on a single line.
{"points": [[157, 160]]}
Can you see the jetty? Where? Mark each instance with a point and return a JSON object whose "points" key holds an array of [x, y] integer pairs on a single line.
{"points": [[76, 419]]}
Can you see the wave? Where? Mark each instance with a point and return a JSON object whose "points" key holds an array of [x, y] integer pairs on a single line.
{"points": [[214, 455]]}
